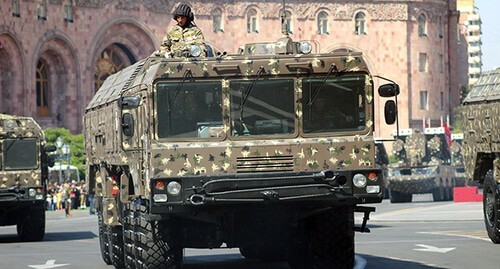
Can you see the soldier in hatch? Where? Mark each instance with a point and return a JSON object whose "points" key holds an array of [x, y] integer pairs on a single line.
{"points": [[182, 36]]}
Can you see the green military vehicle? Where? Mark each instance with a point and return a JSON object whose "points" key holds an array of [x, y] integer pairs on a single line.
{"points": [[23, 176], [382, 160], [270, 151], [457, 159], [423, 166], [481, 145]]}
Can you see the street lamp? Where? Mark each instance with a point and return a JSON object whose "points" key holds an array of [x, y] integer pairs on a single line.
{"points": [[59, 144], [66, 150]]}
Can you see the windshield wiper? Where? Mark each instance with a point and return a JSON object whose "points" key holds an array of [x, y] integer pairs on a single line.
{"points": [[315, 92], [244, 97], [249, 88], [187, 74]]}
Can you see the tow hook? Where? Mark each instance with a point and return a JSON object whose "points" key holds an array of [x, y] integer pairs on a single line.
{"points": [[197, 199], [366, 210]]}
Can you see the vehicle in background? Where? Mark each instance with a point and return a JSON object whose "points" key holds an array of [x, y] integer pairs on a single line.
{"points": [[23, 176], [382, 160], [457, 160], [424, 166], [481, 145]]}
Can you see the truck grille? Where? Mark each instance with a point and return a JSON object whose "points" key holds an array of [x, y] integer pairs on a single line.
{"points": [[264, 164]]}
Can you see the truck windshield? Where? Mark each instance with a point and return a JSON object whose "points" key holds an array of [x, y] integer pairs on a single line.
{"points": [[266, 109], [19, 154], [189, 111], [339, 105]]}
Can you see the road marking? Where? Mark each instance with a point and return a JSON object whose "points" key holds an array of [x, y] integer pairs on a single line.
{"points": [[360, 262], [481, 235], [428, 248], [49, 264]]}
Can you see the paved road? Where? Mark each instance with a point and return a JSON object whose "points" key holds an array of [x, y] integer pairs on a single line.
{"points": [[422, 234]]}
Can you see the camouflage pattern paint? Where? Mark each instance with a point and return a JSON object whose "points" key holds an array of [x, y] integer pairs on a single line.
{"points": [[145, 156], [14, 127]]}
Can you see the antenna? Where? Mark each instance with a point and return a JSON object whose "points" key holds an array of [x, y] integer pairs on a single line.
{"points": [[284, 26]]}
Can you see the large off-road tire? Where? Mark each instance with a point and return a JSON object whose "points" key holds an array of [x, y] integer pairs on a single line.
{"points": [[31, 225], [399, 197], [103, 235], [272, 253], [438, 194], [249, 252], [155, 242], [491, 207], [128, 236], [326, 241], [116, 247]]}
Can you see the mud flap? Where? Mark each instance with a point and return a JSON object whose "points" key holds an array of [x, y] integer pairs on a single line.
{"points": [[110, 212], [366, 211]]}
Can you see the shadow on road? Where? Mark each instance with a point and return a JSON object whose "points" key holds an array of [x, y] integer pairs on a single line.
{"points": [[51, 237], [69, 236], [374, 262], [236, 261], [229, 261]]}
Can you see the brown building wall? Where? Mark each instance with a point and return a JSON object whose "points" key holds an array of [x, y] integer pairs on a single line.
{"points": [[133, 30]]}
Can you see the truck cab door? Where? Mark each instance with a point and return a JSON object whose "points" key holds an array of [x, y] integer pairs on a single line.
{"points": [[131, 122]]}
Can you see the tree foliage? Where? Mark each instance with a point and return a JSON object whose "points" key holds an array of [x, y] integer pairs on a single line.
{"points": [[75, 142]]}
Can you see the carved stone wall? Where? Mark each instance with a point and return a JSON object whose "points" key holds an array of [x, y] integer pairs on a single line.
{"points": [[391, 44]]}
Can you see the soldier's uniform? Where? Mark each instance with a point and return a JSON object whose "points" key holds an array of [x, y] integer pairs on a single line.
{"points": [[180, 39]]}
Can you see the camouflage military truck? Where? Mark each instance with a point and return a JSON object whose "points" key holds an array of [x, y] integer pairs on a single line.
{"points": [[23, 176], [231, 151], [457, 159], [382, 160], [423, 166], [481, 145]]}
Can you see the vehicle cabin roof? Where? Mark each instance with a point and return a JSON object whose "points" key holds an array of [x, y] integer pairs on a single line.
{"points": [[487, 88], [19, 126], [146, 71]]}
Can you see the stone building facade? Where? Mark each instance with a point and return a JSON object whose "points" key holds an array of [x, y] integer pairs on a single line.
{"points": [[54, 53]]}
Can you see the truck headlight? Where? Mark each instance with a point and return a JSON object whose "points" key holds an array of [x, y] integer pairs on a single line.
{"points": [[305, 47], [372, 189], [359, 180], [32, 192], [195, 51], [160, 198], [174, 188]]}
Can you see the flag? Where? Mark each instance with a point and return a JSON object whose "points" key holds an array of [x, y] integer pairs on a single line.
{"points": [[447, 134]]}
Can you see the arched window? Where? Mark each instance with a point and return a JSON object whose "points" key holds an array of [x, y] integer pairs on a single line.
{"points": [[422, 25], [68, 10], [360, 24], [109, 62], [15, 8], [42, 89], [323, 23], [288, 21], [217, 20], [252, 21], [440, 26], [41, 10]]}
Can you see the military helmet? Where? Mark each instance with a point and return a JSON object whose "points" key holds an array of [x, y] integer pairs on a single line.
{"points": [[184, 10]]}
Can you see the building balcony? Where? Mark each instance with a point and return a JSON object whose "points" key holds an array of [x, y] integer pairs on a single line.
{"points": [[474, 38]]}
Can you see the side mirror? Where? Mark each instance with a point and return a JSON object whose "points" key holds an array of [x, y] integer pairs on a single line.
{"points": [[50, 161], [50, 148], [388, 90], [390, 112], [128, 102], [128, 124]]}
